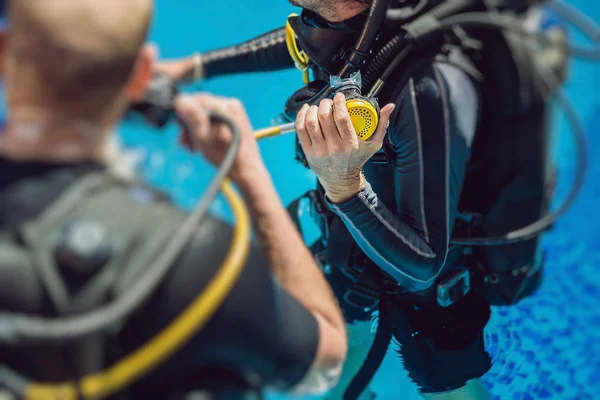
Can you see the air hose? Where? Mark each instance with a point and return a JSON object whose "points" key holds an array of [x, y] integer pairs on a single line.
{"points": [[382, 59]]}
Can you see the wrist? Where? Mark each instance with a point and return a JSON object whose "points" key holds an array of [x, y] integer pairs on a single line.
{"points": [[192, 69], [253, 180], [344, 190]]}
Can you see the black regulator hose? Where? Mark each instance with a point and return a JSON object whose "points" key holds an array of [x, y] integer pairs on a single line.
{"points": [[356, 55], [382, 59]]}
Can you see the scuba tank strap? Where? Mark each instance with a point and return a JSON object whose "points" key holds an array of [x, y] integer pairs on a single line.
{"points": [[375, 356]]}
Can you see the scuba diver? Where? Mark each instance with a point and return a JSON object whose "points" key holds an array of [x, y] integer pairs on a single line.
{"points": [[431, 208], [107, 290]]}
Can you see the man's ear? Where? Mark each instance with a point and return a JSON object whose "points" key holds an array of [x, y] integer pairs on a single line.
{"points": [[143, 72]]}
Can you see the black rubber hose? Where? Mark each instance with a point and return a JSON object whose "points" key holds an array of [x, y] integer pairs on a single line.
{"points": [[375, 21], [398, 59], [382, 59], [20, 329], [265, 53]]}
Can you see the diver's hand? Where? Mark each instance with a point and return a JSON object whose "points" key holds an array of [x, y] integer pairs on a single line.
{"points": [[214, 138], [333, 150], [181, 70]]}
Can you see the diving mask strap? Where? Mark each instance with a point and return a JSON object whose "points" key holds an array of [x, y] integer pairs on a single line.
{"points": [[300, 58]]}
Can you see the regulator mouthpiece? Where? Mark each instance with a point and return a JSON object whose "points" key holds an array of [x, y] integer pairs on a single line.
{"points": [[363, 111]]}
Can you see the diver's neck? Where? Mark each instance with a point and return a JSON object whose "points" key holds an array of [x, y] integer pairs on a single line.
{"points": [[30, 137]]}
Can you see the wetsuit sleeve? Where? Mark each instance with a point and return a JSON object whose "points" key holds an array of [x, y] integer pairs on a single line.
{"points": [[431, 134], [265, 53], [261, 333]]}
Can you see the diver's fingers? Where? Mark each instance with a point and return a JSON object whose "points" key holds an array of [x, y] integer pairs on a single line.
{"points": [[313, 127], [343, 121], [194, 117], [301, 131], [384, 122], [330, 131], [214, 104]]}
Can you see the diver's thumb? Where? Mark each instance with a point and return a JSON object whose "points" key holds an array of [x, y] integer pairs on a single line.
{"points": [[384, 123]]}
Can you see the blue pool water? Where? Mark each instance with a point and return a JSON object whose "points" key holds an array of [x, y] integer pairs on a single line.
{"points": [[548, 347]]}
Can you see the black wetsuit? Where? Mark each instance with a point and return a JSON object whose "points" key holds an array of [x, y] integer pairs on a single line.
{"points": [[259, 336]]}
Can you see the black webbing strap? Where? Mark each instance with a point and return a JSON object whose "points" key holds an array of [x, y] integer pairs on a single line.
{"points": [[377, 352]]}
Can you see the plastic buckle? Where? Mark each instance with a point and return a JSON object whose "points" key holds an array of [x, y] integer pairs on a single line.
{"points": [[455, 287], [379, 158]]}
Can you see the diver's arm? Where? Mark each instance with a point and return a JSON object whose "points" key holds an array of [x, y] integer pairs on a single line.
{"points": [[431, 135], [265, 53], [294, 267]]}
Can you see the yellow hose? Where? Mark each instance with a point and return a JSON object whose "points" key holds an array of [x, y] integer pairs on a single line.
{"points": [[172, 337], [273, 131]]}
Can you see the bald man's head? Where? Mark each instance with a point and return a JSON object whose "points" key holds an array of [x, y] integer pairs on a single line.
{"points": [[74, 55]]}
